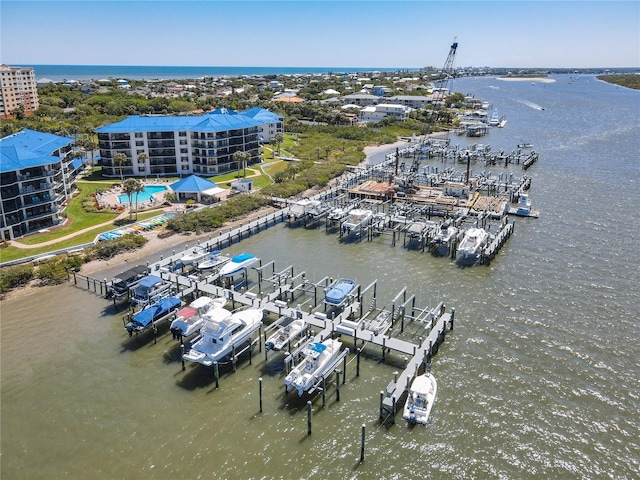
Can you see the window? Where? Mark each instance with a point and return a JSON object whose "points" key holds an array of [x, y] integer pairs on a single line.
{"points": [[185, 167], [138, 134], [139, 143], [182, 134]]}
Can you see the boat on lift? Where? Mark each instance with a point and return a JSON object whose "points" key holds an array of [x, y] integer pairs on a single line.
{"points": [[238, 264], [195, 256], [523, 209], [317, 361], [338, 292], [289, 330], [472, 243], [213, 261], [190, 319], [302, 207], [422, 395], [221, 332], [357, 218], [151, 314]]}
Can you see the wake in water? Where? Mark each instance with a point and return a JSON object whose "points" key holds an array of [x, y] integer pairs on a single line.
{"points": [[535, 106]]}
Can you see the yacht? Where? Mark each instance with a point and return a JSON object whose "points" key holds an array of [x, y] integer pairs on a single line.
{"points": [[220, 332], [237, 264], [190, 319], [472, 243], [422, 395], [317, 361]]}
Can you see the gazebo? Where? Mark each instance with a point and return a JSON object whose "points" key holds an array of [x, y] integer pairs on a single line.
{"points": [[197, 188]]}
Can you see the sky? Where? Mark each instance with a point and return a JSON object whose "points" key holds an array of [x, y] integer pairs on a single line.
{"points": [[300, 33]]}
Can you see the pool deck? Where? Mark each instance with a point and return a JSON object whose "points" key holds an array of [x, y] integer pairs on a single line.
{"points": [[110, 198]]}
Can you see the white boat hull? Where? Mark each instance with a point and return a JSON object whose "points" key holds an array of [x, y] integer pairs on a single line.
{"points": [[421, 398], [312, 368]]}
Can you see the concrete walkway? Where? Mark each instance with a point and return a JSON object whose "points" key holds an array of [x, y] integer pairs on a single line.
{"points": [[17, 244]]}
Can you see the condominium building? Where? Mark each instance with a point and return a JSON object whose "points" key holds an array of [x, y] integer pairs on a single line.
{"points": [[375, 113], [17, 87], [183, 145], [37, 177]]}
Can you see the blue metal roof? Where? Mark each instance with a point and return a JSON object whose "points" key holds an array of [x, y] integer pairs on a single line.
{"points": [[263, 115], [219, 120], [192, 183], [30, 148]]}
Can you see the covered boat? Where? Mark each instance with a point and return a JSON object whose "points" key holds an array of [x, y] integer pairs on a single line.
{"points": [[190, 319], [422, 395], [317, 361], [338, 292], [148, 289], [155, 312], [123, 282]]}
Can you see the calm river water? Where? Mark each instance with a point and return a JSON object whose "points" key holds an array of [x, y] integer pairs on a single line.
{"points": [[539, 379]]}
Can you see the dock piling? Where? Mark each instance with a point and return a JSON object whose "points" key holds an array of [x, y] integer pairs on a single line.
{"points": [[308, 417], [362, 443], [260, 392]]}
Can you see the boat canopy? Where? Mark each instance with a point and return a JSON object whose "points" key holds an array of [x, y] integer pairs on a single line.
{"points": [[150, 281], [146, 316], [318, 347], [242, 258], [131, 274], [340, 290], [186, 312]]}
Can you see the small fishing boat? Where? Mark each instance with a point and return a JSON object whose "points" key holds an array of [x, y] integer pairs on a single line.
{"points": [[525, 145], [289, 330], [148, 316], [357, 218], [472, 242], [195, 256], [190, 319], [338, 292], [317, 361], [214, 260], [221, 331], [421, 398], [445, 234], [237, 264]]}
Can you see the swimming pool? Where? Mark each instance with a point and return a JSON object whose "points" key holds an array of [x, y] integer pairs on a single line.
{"points": [[144, 196]]}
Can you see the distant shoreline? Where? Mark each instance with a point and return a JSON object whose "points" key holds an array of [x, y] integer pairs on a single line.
{"points": [[527, 79]]}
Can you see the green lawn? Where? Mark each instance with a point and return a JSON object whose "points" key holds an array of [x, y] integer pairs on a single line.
{"points": [[79, 219]]}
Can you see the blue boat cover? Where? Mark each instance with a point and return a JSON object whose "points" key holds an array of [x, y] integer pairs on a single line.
{"points": [[318, 347], [150, 281], [242, 257], [340, 291], [146, 316]]}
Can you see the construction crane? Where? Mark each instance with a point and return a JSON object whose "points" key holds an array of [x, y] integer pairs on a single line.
{"points": [[442, 84]]}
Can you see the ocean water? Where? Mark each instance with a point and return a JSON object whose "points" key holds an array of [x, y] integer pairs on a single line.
{"points": [[60, 73], [539, 378]]}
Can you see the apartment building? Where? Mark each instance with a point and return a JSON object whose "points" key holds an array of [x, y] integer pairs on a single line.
{"points": [[183, 145], [37, 177], [17, 87], [375, 113]]}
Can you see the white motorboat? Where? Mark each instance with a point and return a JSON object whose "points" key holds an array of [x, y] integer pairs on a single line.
{"points": [[221, 331], [472, 242], [190, 319], [445, 234], [525, 145], [357, 218], [195, 256], [318, 359], [339, 213], [421, 398], [418, 228], [289, 330], [237, 264], [302, 207], [214, 260]]}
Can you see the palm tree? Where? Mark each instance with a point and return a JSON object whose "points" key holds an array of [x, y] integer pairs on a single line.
{"points": [[129, 187], [89, 145], [279, 138], [139, 187], [241, 158], [120, 159], [142, 157]]}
